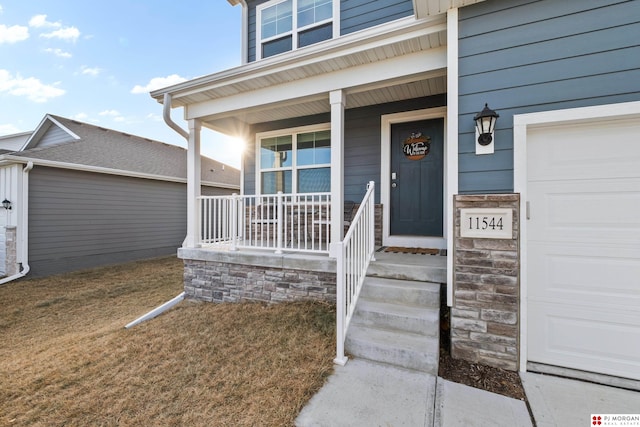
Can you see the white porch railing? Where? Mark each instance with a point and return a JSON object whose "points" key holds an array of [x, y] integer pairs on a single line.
{"points": [[353, 257], [293, 222]]}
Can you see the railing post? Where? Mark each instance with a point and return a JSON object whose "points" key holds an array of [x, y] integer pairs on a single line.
{"points": [[198, 238], [372, 218], [340, 359], [234, 221], [279, 224]]}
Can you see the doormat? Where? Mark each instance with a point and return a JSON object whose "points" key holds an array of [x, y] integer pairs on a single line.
{"points": [[413, 251]]}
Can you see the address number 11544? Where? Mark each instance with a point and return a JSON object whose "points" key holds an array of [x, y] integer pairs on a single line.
{"points": [[486, 223]]}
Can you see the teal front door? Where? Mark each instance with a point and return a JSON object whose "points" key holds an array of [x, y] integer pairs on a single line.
{"points": [[417, 155]]}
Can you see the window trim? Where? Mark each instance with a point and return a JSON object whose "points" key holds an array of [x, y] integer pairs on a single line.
{"points": [[295, 31], [294, 168]]}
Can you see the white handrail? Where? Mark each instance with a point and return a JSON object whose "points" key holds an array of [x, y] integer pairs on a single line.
{"points": [[355, 254]]}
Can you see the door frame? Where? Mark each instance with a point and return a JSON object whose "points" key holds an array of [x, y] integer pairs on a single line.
{"points": [[386, 121], [521, 124]]}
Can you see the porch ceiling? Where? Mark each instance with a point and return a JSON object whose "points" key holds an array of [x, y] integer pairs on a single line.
{"points": [[228, 100], [426, 85]]}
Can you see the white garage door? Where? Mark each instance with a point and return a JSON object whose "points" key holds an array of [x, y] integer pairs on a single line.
{"points": [[583, 261]]}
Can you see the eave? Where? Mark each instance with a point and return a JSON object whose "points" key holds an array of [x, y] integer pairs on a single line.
{"points": [[249, 93], [426, 8]]}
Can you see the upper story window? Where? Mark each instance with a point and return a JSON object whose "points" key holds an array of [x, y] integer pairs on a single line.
{"points": [[284, 25], [295, 162]]}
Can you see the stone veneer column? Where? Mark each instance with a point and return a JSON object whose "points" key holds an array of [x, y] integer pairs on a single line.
{"points": [[485, 317]]}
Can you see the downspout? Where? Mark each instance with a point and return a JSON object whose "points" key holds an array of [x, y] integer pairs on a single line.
{"points": [[166, 115], [24, 247]]}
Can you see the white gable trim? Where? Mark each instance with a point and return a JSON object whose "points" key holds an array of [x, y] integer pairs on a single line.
{"points": [[42, 129]]}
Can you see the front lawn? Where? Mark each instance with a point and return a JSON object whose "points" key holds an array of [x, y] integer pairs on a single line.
{"points": [[66, 359]]}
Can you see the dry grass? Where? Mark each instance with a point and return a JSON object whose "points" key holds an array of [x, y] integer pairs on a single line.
{"points": [[65, 358]]}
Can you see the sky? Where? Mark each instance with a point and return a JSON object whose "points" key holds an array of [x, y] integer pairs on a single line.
{"points": [[97, 61]]}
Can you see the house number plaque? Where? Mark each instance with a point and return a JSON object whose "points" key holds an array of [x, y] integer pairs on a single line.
{"points": [[486, 223]]}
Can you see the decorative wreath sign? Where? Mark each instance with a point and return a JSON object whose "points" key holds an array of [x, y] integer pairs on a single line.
{"points": [[417, 146]]}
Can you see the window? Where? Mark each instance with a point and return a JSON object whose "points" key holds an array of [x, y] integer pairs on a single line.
{"points": [[289, 24], [299, 162]]}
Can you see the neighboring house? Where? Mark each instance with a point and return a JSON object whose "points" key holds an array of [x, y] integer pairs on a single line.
{"points": [[541, 224], [83, 196], [15, 142]]}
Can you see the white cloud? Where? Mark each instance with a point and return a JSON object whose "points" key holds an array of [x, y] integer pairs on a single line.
{"points": [[67, 33], [40, 21], [111, 113], [158, 83], [90, 71], [13, 34], [80, 116], [58, 52], [30, 87], [154, 117], [0, 8]]}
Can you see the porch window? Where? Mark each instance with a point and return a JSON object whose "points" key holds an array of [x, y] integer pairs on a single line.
{"points": [[299, 162], [289, 24]]}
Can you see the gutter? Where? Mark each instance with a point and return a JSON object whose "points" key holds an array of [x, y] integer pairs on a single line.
{"points": [[166, 115], [24, 229], [156, 311]]}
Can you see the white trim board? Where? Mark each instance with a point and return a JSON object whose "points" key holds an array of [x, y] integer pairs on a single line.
{"points": [[521, 124], [385, 163]]}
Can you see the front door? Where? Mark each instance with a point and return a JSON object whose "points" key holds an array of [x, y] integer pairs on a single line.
{"points": [[416, 193]]}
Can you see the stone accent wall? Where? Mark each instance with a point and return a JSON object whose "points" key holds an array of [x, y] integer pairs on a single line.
{"points": [[486, 290], [233, 278], [11, 255]]}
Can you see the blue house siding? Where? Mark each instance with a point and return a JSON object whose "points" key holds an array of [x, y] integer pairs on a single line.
{"points": [[526, 56], [354, 15], [360, 14], [362, 142]]}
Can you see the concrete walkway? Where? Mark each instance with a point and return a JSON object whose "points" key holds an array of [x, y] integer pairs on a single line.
{"points": [[557, 401], [364, 393]]}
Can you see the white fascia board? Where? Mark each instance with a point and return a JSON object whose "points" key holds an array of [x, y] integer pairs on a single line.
{"points": [[435, 60], [380, 35], [108, 171], [37, 134]]}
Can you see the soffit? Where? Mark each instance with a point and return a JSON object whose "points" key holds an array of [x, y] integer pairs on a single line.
{"points": [[426, 8], [423, 85], [402, 37]]}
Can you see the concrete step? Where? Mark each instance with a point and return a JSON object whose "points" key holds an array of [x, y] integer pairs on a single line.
{"points": [[404, 292], [422, 268], [408, 318], [403, 349]]}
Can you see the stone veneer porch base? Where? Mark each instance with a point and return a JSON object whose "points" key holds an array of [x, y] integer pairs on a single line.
{"points": [[228, 276]]}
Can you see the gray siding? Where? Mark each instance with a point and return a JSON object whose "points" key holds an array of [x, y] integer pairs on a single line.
{"points": [[362, 142], [354, 15], [54, 135], [79, 219], [525, 56]]}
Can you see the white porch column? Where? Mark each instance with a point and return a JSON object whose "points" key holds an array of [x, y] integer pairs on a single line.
{"points": [[193, 183], [337, 100]]}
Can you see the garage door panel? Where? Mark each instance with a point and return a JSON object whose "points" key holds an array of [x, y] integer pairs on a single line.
{"points": [[585, 275], [583, 246], [566, 339], [585, 211], [584, 150]]}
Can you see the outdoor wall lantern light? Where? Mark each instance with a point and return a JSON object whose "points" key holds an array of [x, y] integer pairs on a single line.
{"points": [[485, 125], [6, 204]]}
